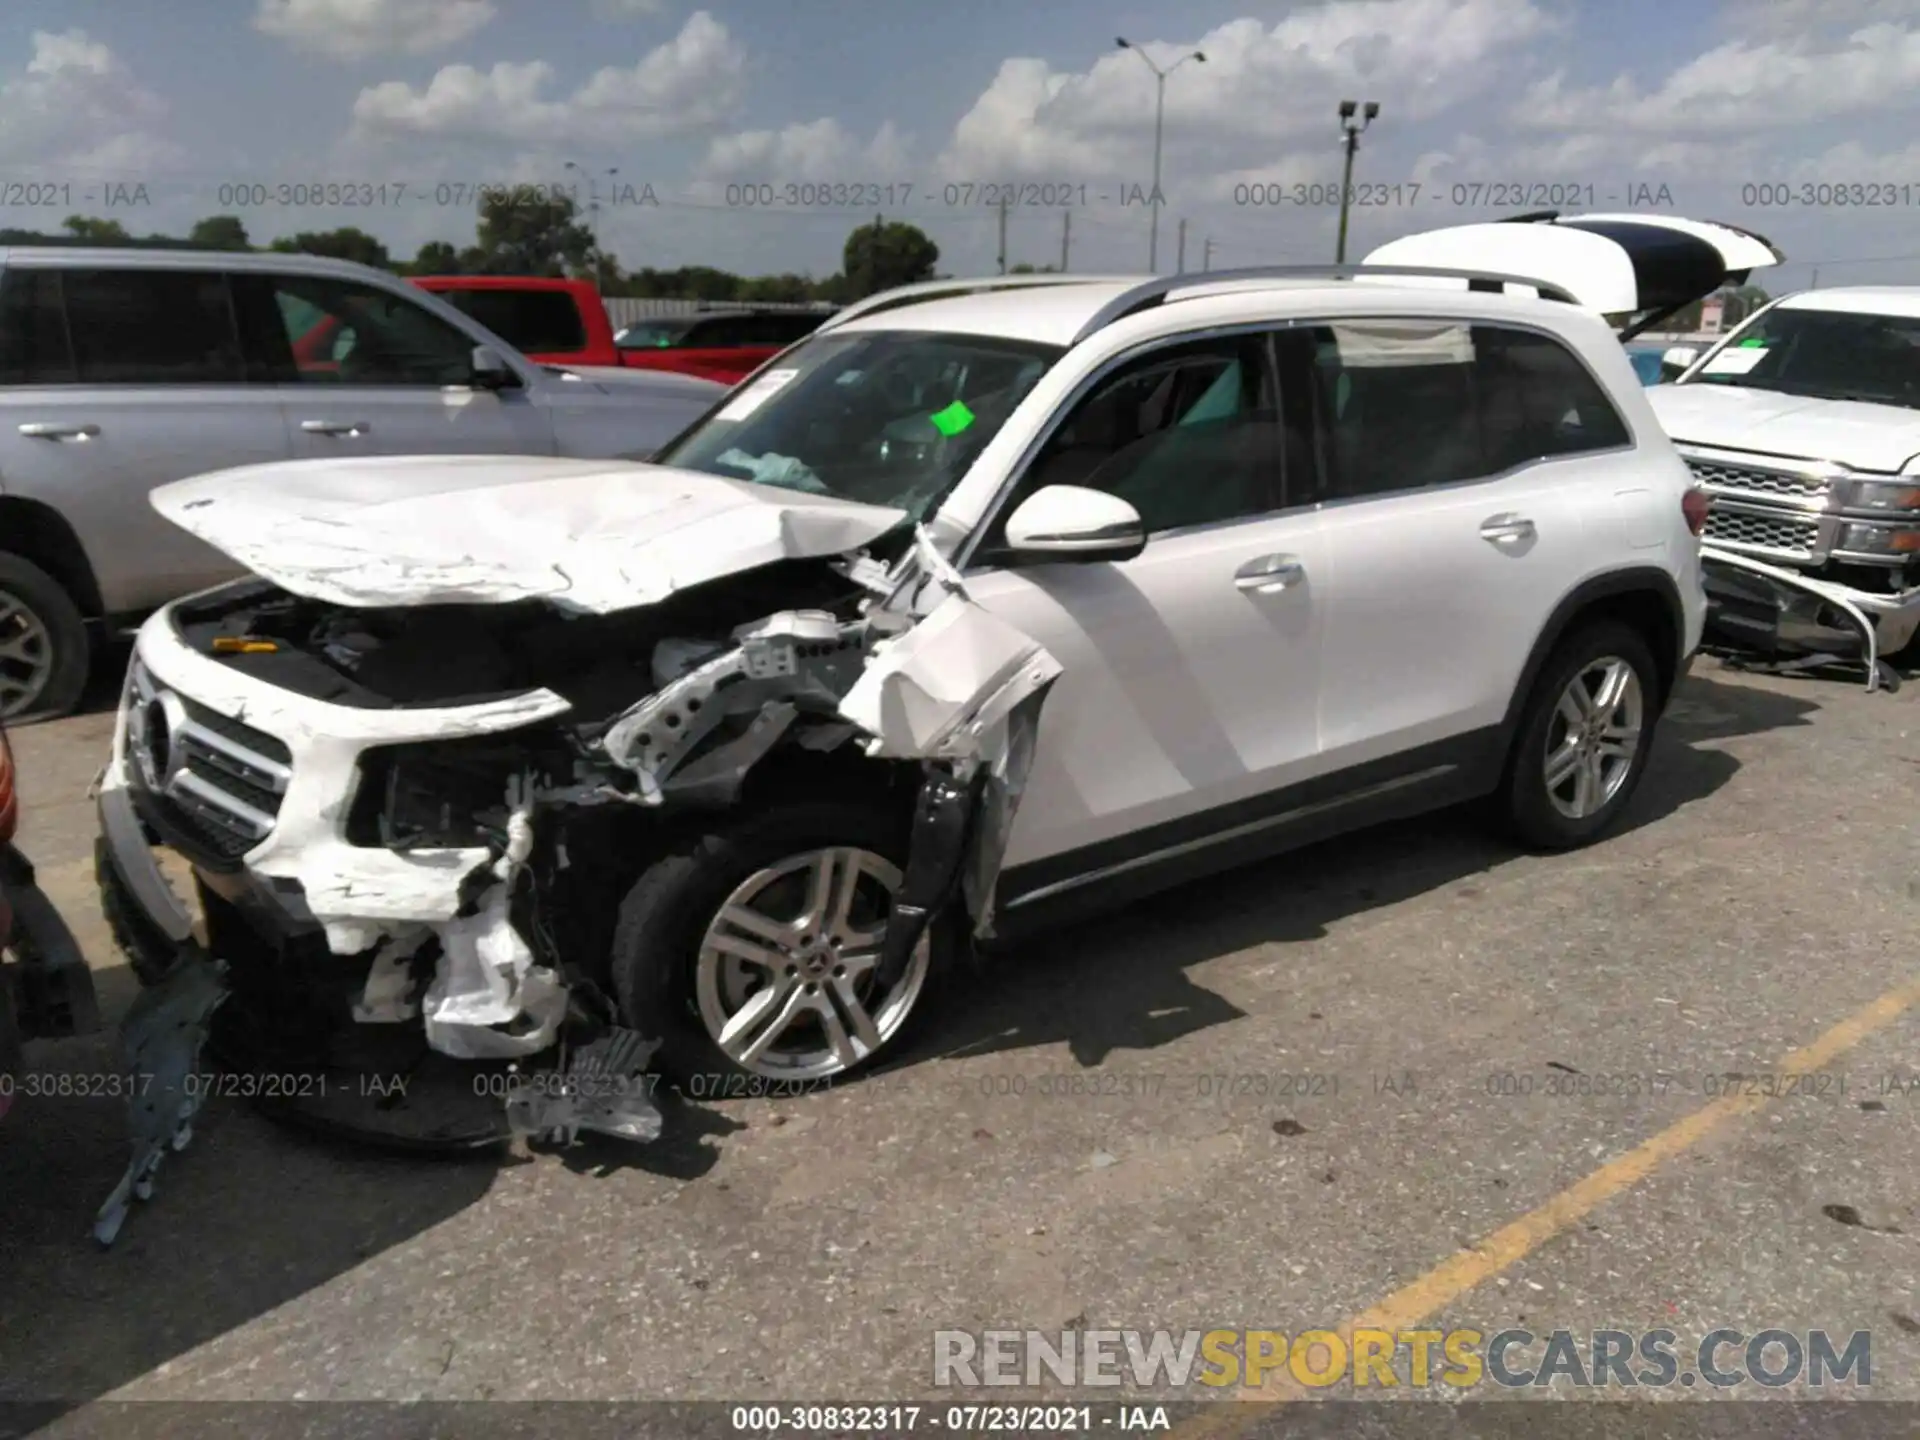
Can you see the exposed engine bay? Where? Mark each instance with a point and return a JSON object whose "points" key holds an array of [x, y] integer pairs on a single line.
{"points": [[510, 768]]}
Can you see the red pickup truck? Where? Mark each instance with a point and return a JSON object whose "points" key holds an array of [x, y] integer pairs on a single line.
{"points": [[564, 322], [723, 345]]}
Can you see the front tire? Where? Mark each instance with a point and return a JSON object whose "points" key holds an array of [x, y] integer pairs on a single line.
{"points": [[1583, 739], [749, 951], [45, 655]]}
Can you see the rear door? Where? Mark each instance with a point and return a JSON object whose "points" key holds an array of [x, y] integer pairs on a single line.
{"points": [[1469, 475], [725, 348], [395, 379], [114, 381]]}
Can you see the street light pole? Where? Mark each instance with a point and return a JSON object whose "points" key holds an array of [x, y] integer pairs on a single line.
{"points": [[1159, 129], [1352, 131], [593, 213]]}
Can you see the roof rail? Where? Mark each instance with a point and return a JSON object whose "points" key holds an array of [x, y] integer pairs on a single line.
{"points": [[1155, 292], [925, 290]]}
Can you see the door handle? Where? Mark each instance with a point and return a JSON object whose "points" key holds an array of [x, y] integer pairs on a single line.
{"points": [[53, 430], [1507, 529], [335, 427], [1270, 574]]}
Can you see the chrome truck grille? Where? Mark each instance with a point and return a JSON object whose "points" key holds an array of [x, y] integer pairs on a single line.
{"points": [[214, 781], [1782, 535], [1812, 490]]}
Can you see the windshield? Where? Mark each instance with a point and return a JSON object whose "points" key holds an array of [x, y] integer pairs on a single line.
{"points": [[883, 417], [1826, 354]]}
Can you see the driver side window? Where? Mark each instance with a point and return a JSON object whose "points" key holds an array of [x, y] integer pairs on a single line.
{"points": [[345, 333], [1188, 435]]}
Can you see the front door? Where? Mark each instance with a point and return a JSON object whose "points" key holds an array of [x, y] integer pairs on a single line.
{"points": [[1189, 670], [394, 378]]}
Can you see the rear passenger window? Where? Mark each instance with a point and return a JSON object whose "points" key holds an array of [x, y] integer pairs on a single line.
{"points": [[1407, 404], [1538, 401], [33, 331], [152, 327]]}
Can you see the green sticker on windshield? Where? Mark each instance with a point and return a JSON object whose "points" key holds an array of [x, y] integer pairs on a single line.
{"points": [[952, 420], [1756, 343]]}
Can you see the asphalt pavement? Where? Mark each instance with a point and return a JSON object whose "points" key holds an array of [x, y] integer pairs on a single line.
{"points": [[1410, 1076]]}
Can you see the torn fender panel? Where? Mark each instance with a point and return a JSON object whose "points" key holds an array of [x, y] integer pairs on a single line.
{"points": [[925, 691], [587, 535]]}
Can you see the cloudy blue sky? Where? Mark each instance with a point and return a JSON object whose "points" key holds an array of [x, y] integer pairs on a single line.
{"points": [[1709, 100]]}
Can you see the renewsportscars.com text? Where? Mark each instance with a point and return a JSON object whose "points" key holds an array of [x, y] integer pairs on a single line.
{"points": [[1461, 1359]]}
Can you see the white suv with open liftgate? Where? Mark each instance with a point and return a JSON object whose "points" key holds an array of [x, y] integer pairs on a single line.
{"points": [[988, 601]]}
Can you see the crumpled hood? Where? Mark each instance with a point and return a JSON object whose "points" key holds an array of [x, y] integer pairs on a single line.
{"points": [[588, 535], [1866, 437]]}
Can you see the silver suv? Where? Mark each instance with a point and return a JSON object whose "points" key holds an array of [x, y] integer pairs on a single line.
{"points": [[122, 370]]}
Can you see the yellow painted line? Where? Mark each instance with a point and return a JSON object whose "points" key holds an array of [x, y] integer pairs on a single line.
{"points": [[1432, 1292]]}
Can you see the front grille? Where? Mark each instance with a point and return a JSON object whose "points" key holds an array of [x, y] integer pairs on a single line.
{"points": [[214, 781], [1752, 481], [1781, 534]]}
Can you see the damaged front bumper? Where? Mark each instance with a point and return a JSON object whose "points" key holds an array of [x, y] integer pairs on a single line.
{"points": [[256, 785], [1788, 620]]}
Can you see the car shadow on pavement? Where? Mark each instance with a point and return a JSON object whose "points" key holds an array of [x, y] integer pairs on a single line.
{"points": [[1120, 982], [251, 1215]]}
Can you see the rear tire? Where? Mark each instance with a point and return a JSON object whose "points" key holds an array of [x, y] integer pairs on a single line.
{"points": [[677, 986], [1576, 761], [45, 655]]}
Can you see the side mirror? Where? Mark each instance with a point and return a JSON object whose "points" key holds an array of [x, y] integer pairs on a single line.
{"points": [[1679, 357], [490, 372], [1072, 523]]}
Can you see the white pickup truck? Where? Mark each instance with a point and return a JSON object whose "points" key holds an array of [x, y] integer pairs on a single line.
{"points": [[1804, 425]]}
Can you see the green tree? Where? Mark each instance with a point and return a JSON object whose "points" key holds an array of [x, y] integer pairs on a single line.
{"points": [[436, 257], [882, 255], [532, 233], [346, 243], [90, 231], [219, 232]]}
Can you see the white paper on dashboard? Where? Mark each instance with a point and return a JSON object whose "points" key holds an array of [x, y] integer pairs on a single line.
{"points": [[756, 394], [1737, 361]]}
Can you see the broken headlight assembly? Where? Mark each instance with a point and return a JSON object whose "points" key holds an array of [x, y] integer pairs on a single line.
{"points": [[450, 794]]}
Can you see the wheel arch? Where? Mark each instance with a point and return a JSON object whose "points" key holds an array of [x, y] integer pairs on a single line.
{"points": [[35, 531], [1643, 596]]}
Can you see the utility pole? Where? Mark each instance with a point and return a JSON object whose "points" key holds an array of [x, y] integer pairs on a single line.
{"points": [[1206, 254], [1066, 237], [1003, 232], [1816, 279], [1367, 114], [1180, 253], [1159, 126]]}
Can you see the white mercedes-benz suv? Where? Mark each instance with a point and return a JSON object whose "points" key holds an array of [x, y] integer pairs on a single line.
{"points": [[987, 602]]}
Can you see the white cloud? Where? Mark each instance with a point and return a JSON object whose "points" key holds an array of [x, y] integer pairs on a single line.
{"points": [[1743, 85], [77, 112], [691, 83], [812, 150], [361, 29], [629, 9], [1259, 85]]}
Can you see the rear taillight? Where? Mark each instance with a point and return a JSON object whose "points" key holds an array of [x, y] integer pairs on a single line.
{"points": [[9, 801], [1694, 505]]}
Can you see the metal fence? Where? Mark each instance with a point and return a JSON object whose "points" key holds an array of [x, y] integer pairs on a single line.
{"points": [[625, 310]]}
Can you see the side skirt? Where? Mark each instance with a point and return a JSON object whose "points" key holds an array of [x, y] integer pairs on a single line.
{"points": [[1045, 893]]}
